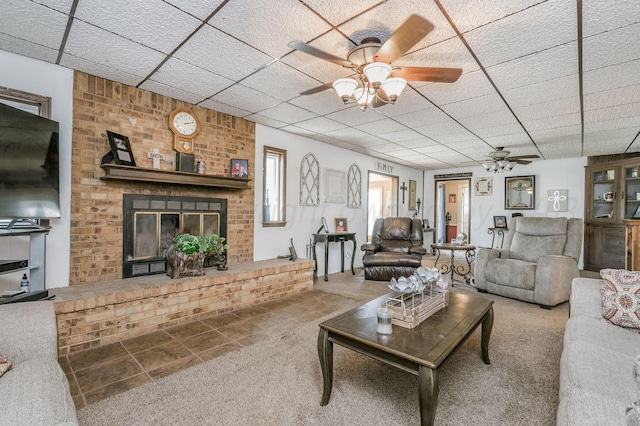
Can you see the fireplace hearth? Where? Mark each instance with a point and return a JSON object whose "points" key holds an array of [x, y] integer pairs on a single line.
{"points": [[151, 222]]}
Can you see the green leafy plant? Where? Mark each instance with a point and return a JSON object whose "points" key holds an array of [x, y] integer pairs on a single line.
{"points": [[210, 245]]}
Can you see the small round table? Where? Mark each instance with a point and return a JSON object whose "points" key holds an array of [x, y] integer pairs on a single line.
{"points": [[451, 268]]}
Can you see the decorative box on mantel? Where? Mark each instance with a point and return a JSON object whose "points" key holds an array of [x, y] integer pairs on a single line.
{"points": [[114, 171]]}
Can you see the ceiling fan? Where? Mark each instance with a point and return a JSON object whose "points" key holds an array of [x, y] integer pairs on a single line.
{"points": [[501, 162], [376, 82]]}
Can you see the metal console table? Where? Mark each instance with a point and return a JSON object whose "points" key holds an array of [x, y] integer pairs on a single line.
{"points": [[500, 233], [339, 237]]}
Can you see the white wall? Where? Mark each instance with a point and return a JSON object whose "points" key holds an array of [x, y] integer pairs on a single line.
{"points": [[549, 174], [42, 78], [303, 221]]}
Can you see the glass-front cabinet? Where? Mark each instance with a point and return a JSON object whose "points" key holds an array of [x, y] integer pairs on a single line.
{"points": [[612, 195]]}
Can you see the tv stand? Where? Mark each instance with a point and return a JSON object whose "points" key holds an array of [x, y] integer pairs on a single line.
{"points": [[37, 252]]}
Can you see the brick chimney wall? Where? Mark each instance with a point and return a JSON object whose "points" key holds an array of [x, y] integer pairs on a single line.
{"points": [[96, 205]]}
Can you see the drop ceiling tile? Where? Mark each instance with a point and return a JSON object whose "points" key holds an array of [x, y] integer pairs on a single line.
{"points": [[420, 142], [386, 149], [101, 69], [381, 126], [401, 135], [20, 18], [602, 16], [433, 150], [409, 101], [320, 125], [354, 116], [470, 85], [487, 104], [601, 144], [173, 92], [201, 9], [279, 80], [552, 122], [27, 48], [490, 120], [227, 109], [435, 130], [322, 103], [190, 78], [620, 112], [469, 14], [512, 128], [515, 37], [298, 131], [544, 91], [63, 6], [370, 142], [269, 26], [607, 78], [509, 139], [557, 133], [223, 55], [261, 119], [246, 98], [421, 118], [152, 23], [100, 46], [548, 109], [347, 134], [612, 97], [287, 113], [547, 65], [610, 48], [336, 13]]}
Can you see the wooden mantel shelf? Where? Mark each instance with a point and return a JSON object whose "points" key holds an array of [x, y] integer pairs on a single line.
{"points": [[114, 171]]}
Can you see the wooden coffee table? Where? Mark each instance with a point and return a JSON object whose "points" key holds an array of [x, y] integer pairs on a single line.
{"points": [[420, 350]]}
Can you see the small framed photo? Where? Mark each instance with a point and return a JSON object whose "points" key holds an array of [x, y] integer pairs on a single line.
{"points": [[341, 224], [121, 149], [499, 221], [292, 252], [239, 168]]}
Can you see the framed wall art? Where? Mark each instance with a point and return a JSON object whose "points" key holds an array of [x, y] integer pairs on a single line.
{"points": [[239, 168], [557, 200], [412, 194], [121, 149], [519, 193], [341, 224], [483, 186], [335, 186]]}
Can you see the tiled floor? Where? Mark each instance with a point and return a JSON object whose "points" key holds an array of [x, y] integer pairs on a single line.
{"points": [[99, 373]]}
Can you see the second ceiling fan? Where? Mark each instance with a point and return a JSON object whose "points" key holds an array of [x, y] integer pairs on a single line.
{"points": [[376, 82]]}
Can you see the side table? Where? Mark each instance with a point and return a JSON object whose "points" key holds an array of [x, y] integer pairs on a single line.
{"points": [[338, 237], [500, 233], [451, 268]]}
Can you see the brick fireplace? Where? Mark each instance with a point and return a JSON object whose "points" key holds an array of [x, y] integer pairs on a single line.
{"points": [[151, 222]]}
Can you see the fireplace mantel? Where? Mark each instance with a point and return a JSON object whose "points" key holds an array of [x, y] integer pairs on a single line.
{"points": [[113, 171]]}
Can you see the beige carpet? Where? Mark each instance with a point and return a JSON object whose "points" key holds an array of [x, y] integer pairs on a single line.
{"points": [[279, 382]]}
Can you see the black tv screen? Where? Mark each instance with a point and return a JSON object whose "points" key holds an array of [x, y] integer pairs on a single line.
{"points": [[29, 166]]}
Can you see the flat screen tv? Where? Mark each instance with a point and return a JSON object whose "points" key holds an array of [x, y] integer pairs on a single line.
{"points": [[29, 169]]}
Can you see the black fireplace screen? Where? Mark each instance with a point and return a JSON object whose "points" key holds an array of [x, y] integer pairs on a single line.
{"points": [[151, 222]]}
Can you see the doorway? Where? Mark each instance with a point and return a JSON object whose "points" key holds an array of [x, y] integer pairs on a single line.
{"points": [[382, 198], [453, 209]]}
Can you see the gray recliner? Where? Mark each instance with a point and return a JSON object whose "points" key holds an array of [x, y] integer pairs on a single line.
{"points": [[395, 249], [539, 260]]}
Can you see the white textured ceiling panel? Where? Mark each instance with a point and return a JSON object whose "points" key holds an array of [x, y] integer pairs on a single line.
{"points": [[17, 16], [209, 49], [238, 63], [146, 22], [497, 42], [190, 78], [100, 46], [269, 26], [201, 9]]}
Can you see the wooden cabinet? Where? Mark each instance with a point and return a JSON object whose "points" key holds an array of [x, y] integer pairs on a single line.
{"points": [[632, 245], [612, 194]]}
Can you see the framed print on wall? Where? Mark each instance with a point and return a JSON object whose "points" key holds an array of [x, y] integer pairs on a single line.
{"points": [[412, 194], [335, 186], [519, 193]]}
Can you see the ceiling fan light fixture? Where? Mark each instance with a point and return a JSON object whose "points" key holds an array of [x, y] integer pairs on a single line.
{"points": [[345, 87], [363, 97], [393, 87], [376, 73]]}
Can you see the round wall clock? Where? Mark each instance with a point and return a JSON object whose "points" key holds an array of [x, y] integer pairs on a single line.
{"points": [[185, 127]]}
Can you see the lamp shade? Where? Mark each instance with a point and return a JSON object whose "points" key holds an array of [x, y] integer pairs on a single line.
{"points": [[393, 87], [362, 96], [344, 87], [377, 73]]}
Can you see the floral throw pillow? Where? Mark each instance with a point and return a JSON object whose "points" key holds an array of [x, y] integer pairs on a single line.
{"points": [[621, 297], [5, 364]]}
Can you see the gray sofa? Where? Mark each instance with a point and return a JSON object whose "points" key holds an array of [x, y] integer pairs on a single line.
{"points": [[35, 391], [538, 261], [597, 363]]}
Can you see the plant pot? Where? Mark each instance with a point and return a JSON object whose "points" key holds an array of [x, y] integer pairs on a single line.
{"points": [[181, 265]]}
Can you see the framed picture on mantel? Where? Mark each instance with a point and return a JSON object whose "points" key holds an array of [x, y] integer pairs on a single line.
{"points": [[121, 149]]}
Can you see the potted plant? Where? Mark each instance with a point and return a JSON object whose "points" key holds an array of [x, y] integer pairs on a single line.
{"points": [[216, 247], [186, 255]]}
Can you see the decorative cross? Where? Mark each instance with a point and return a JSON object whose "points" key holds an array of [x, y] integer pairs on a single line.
{"points": [[156, 156], [403, 188], [556, 198]]}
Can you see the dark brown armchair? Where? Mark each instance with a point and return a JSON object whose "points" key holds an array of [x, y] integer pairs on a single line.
{"points": [[395, 249]]}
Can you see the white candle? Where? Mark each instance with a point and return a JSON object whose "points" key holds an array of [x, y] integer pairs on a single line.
{"points": [[384, 321]]}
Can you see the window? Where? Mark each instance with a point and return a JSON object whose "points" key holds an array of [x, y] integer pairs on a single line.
{"points": [[274, 188]]}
